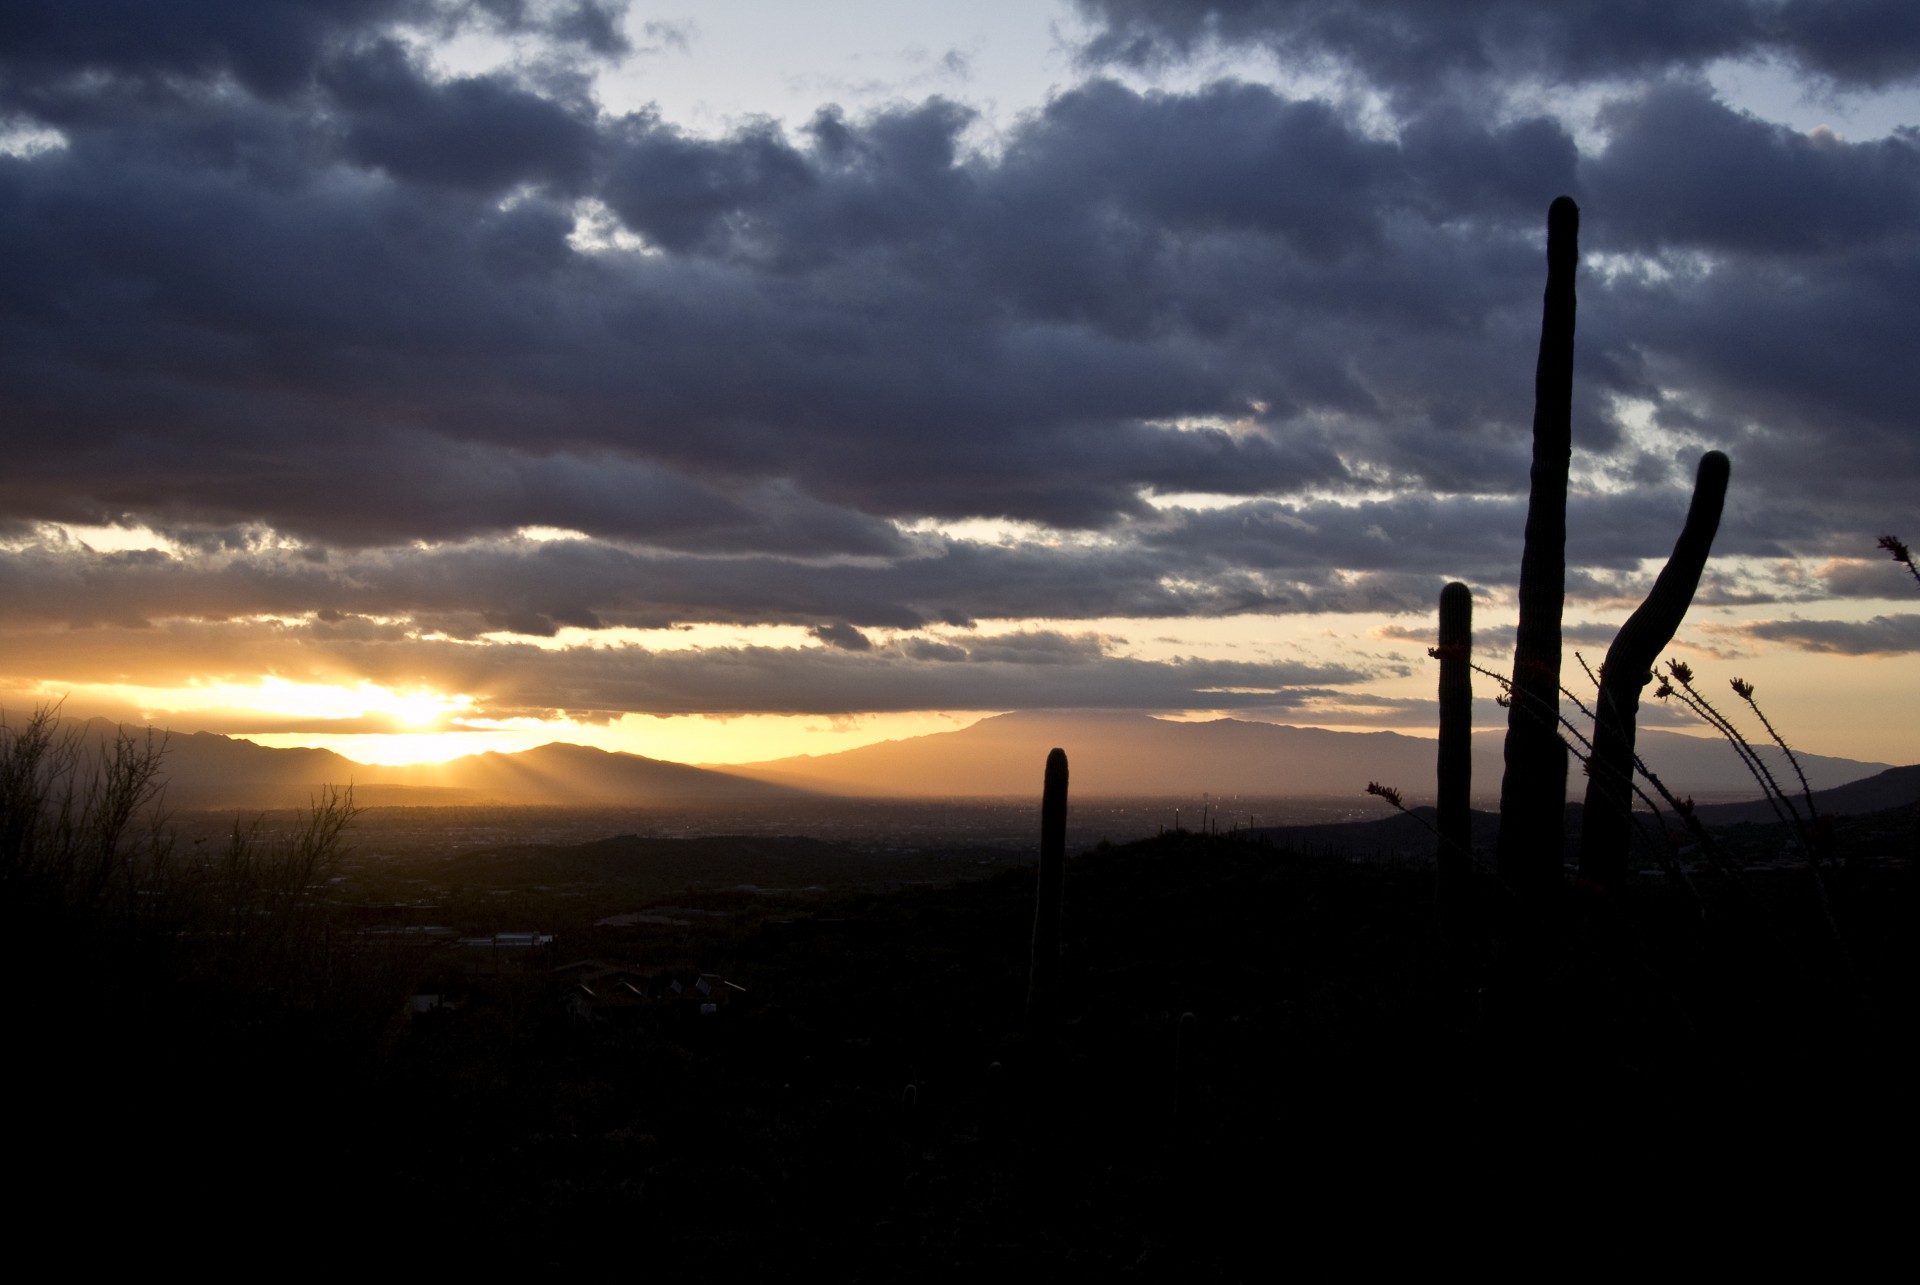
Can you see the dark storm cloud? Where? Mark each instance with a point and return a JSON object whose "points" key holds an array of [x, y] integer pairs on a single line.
{"points": [[482, 133], [894, 328], [1682, 170], [842, 635], [1410, 44], [538, 587], [1257, 557], [235, 314], [1849, 578], [271, 47], [283, 279]]}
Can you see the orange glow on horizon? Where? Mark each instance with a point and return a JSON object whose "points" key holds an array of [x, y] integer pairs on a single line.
{"points": [[680, 738], [1861, 707]]}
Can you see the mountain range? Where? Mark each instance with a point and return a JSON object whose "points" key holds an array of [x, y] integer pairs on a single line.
{"points": [[204, 770], [1137, 755], [1111, 755]]}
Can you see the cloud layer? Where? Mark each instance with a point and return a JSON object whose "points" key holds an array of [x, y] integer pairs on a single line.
{"points": [[338, 324]]}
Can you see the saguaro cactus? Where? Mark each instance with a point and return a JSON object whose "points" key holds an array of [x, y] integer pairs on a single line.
{"points": [[1533, 790], [1455, 762], [1049, 903], [1605, 825]]}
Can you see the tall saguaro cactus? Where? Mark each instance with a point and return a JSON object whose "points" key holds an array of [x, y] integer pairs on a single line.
{"points": [[1533, 790], [1605, 823], [1455, 765], [1043, 985]]}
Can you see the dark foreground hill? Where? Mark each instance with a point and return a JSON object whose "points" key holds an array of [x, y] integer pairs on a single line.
{"points": [[632, 866], [1894, 788], [1877, 816], [868, 1107]]}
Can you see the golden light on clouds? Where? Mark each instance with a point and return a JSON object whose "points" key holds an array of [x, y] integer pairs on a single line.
{"points": [[280, 712], [1856, 706], [686, 738], [281, 698]]}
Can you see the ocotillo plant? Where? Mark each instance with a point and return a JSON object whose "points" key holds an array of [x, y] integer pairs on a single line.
{"points": [[1533, 791], [1898, 550], [1455, 763], [1605, 824], [1043, 986]]}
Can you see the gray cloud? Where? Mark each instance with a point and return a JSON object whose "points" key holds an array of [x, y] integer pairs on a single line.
{"points": [[872, 320], [56, 48], [1265, 556], [1880, 636], [507, 680], [1684, 171], [481, 133], [338, 324], [1408, 44], [843, 636]]}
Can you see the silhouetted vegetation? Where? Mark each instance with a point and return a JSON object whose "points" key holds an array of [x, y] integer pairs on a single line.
{"points": [[1454, 758], [175, 1003], [1897, 550], [1533, 790], [1242, 1032], [773, 1053], [1043, 997], [1605, 832], [1571, 985]]}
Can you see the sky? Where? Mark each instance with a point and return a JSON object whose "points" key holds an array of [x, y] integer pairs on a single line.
{"points": [[726, 381]]}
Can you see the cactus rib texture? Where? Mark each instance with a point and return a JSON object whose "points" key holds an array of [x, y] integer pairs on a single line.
{"points": [[1605, 823], [1049, 903], [1533, 789]]}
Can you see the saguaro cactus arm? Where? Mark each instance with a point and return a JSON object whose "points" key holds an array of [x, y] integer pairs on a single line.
{"points": [[1533, 790], [1605, 825]]}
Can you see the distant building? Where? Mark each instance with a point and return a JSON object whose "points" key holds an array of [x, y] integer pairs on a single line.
{"points": [[504, 953]]}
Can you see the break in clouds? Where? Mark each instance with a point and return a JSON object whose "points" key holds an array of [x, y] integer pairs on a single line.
{"points": [[338, 325]]}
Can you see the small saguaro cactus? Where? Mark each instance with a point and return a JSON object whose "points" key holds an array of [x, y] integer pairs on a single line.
{"points": [[1533, 790], [1049, 903], [1605, 824], [1455, 760]]}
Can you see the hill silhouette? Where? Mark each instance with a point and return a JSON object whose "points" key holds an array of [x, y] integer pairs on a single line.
{"points": [[1889, 796], [1134, 754], [1113, 755], [1894, 788], [204, 770], [563, 773]]}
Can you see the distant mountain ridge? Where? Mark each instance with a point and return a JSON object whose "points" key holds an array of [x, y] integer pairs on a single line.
{"points": [[1112, 755], [563, 773], [204, 770], [1138, 755], [1401, 834], [1894, 788]]}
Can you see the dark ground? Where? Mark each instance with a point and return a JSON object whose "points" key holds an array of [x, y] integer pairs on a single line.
{"points": [[868, 1107]]}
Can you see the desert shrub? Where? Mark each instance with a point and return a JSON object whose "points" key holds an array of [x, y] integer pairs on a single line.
{"points": [[174, 998]]}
